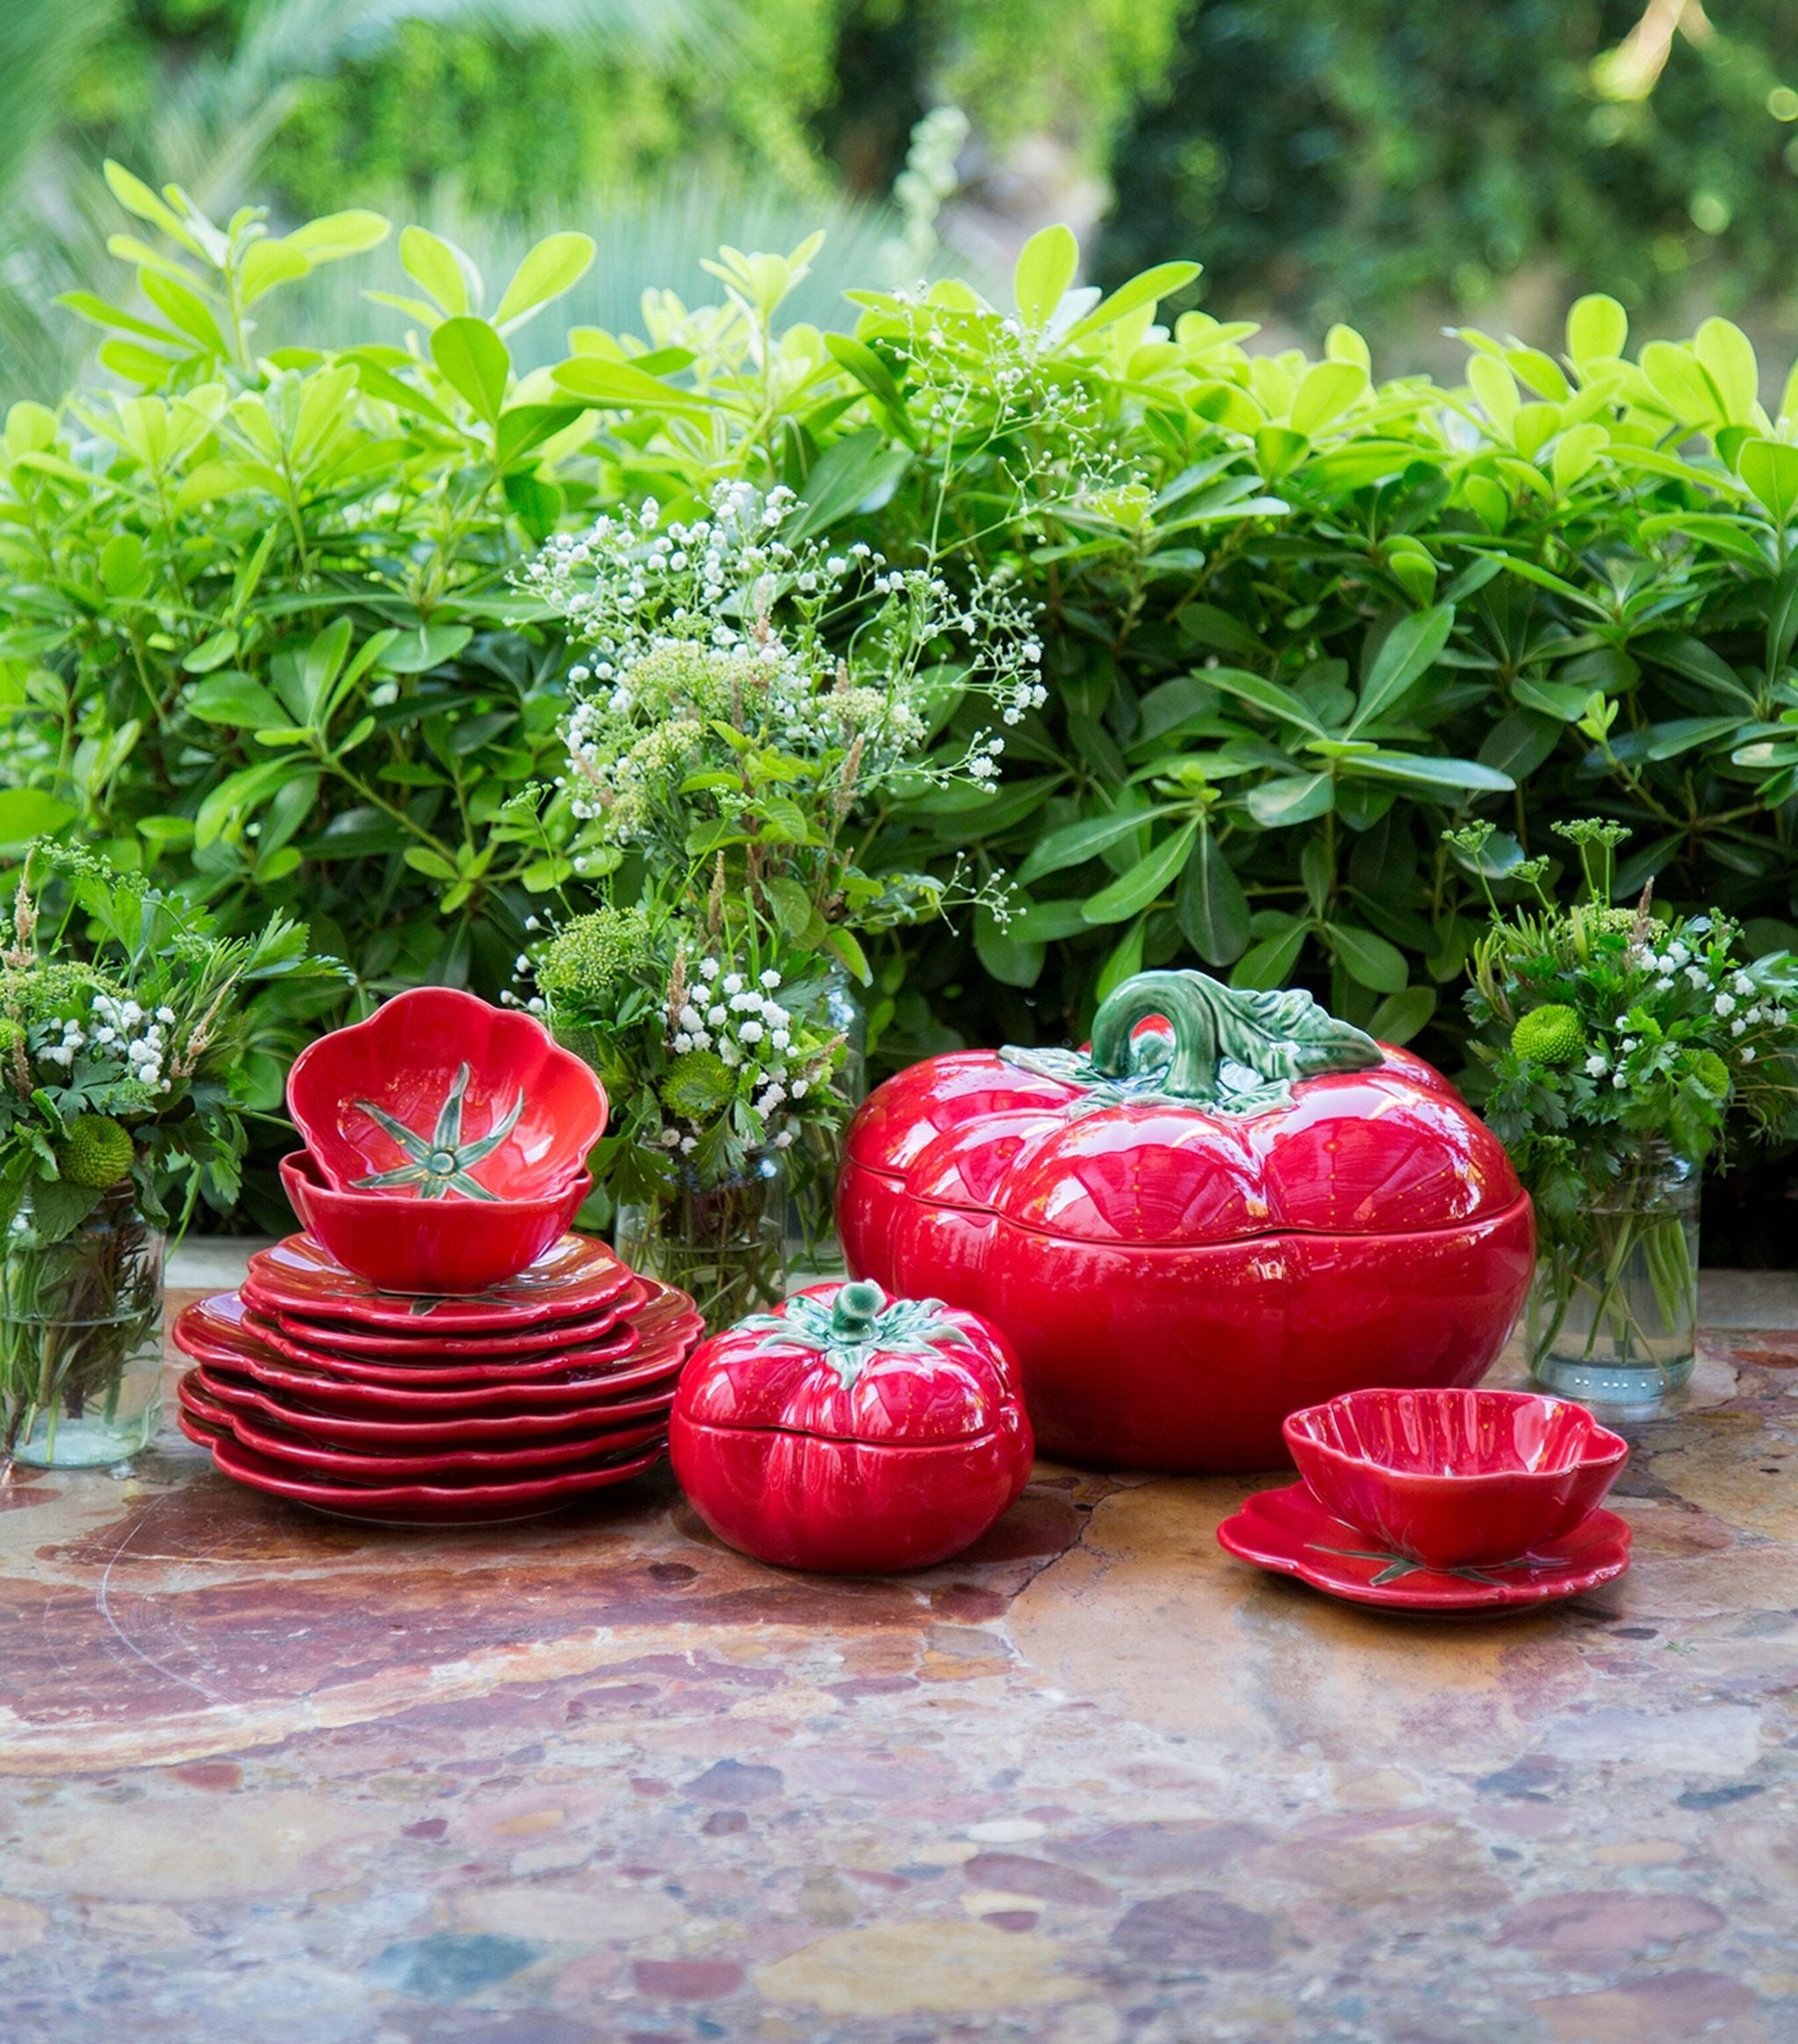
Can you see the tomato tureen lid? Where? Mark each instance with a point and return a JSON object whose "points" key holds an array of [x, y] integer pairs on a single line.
{"points": [[1232, 1113]]}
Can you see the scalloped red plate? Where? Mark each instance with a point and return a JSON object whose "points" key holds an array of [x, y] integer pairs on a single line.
{"points": [[573, 1282], [1289, 1532]]}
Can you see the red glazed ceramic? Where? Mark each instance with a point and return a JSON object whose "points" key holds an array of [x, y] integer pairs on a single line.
{"points": [[378, 1345], [852, 1433], [281, 1442], [439, 1095], [574, 1280], [1290, 1532], [620, 1342], [1195, 1228], [224, 1386], [212, 1332], [432, 1246], [417, 1504], [1451, 1477]]}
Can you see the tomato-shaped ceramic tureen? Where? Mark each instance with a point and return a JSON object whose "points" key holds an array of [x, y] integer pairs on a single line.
{"points": [[1232, 1205], [851, 1433]]}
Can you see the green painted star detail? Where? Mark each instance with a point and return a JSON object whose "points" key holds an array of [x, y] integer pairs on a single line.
{"points": [[1401, 1566], [439, 1164]]}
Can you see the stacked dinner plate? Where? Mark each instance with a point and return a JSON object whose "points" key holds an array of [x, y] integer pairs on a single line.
{"points": [[312, 1383]]}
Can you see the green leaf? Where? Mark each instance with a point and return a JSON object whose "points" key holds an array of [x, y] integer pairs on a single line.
{"points": [[1125, 962], [436, 266], [1074, 844], [1144, 882], [1597, 327], [433, 864], [556, 264], [32, 812], [1149, 287], [1277, 699], [1011, 959], [473, 361], [791, 904], [1210, 903], [1401, 1015], [235, 699], [1269, 963], [618, 386], [1405, 653], [860, 473], [1366, 958], [335, 235], [1325, 392], [1048, 922], [1770, 469], [1045, 267], [1431, 772], [840, 942], [1291, 798]]}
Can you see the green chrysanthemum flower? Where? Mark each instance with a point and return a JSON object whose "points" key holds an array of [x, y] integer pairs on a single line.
{"points": [[97, 1154], [1550, 1035], [699, 1082], [1711, 1073]]}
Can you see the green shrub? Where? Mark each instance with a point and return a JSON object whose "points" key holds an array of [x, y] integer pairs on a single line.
{"points": [[257, 629], [256, 633], [1296, 620]]}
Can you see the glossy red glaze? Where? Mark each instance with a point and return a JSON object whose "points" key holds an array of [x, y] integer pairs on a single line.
{"points": [[617, 1344], [213, 1332], [430, 1246], [1454, 1477], [290, 1443], [895, 1458], [1175, 1280], [341, 1338], [225, 1387], [418, 1504], [1290, 1532], [405, 1060], [574, 1280]]}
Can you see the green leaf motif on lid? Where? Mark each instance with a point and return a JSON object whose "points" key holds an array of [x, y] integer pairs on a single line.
{"points": [[1234, 1050], [853, 1325], [439, 1164]]}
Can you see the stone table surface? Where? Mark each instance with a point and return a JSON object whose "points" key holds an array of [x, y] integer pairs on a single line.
{"points": [[266, 1777]]}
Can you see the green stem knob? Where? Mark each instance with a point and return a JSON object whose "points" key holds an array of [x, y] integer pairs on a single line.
{"points": [[854, 1311], [1184, 999]]}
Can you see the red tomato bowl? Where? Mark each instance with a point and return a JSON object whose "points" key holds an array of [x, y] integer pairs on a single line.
{"points": [[439, 1092], [433, 1247], [1455, 1478]]}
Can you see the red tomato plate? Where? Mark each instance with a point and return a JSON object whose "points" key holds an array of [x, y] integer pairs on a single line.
{"points": [[1290, 1532], [573, 1281]]}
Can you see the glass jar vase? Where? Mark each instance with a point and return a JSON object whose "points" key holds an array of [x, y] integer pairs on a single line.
{"points": [[725, 1245], [809, 1168], [81, 1336], [1613, 1314]]}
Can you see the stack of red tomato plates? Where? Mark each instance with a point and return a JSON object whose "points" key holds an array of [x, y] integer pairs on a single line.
{"points": [[312, 1383]]}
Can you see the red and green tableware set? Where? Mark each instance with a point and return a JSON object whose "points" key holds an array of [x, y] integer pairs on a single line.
{"points": [[1231, 1233]]}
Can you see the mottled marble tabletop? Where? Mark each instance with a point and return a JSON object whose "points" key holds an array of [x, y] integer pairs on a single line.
{"points": [[264, 1777]]}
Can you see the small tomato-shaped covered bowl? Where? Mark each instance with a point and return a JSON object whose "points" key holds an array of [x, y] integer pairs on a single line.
{"points": [[852, 1433], [441, 1096], [1233, 1205], [1455, 1477], [439, 1247]]}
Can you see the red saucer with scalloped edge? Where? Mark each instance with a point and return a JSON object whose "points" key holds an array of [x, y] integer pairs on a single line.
{"points": [[615, 1345], [415, 1504], [1289, 1532], [225, 1386], [572, 1281]]}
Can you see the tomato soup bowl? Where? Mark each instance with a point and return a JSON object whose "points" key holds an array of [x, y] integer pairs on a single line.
{"points": [[428, 1246], [1455, 1478]]}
